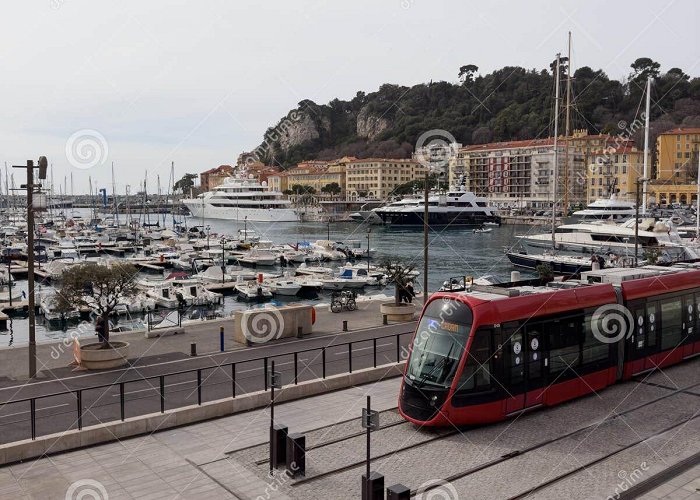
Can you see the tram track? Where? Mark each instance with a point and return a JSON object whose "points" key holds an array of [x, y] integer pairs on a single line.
{"points": [[518, 453]]}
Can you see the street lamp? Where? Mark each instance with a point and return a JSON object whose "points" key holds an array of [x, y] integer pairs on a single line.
{"points": [[223, 260], [30, 187], [369, 230]]}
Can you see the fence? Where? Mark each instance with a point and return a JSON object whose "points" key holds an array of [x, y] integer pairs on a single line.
{"points": [[231, 369]]}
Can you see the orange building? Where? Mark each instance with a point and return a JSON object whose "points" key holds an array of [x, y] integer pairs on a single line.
{"points": [[214, 177]]}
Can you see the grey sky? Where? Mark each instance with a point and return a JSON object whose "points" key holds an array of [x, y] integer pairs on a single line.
{"points": [[198, 82]]}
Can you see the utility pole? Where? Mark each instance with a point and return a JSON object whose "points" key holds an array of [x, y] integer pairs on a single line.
{"points": [[567, 128], [646, 146], [556, 149], [43, 164], [426, 226]]}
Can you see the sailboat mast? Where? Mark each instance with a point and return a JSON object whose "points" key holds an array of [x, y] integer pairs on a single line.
{"points": [[646, 146], [114, 198], [567, 127], [556, 145]]}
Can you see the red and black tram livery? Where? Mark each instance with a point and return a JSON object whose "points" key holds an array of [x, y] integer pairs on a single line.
{"points": [[492, 352]]}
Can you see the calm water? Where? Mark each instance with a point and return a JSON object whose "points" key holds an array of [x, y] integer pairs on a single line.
{"points": [[453, 252]]}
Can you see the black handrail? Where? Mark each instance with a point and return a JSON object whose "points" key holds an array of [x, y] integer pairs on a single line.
{"points": [[161, 378]]}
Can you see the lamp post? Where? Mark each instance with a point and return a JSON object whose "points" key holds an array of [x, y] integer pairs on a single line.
{"points": [[30, 186], [223, 260], [369, 230], [208, 228], [245, 229], [328, 229]]}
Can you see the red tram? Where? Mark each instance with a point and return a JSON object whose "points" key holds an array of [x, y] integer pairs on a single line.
{"points": [[489, 354]]}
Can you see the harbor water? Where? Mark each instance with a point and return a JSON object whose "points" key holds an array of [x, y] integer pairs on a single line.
{"points": [[452, 253]]}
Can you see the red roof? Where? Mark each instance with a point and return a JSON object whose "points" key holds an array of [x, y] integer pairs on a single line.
{"points": [[510, 144], [220, 168], [681, 130]]}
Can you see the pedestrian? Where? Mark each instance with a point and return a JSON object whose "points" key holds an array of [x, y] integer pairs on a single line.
{"points": [[410, 292], [601, 261]]}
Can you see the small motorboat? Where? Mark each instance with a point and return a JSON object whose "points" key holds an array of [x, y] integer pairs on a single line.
{"points": [[286, 287], [252, 290], [483, 230], [491, 224]]}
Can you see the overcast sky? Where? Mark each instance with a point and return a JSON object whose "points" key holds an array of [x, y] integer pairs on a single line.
{"points": [[150, 82]]}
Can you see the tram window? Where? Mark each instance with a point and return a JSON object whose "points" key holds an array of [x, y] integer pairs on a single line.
{"points": [[564, 348], [593, 349], [476, 375], [671, 319]]}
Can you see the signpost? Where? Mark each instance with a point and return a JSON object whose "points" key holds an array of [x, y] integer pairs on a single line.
{"points": [[372, 483]]}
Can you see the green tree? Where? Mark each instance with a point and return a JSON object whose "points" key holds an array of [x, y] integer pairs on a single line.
{"points": [[399, 274], [98, 287], [332, 189], [299, 189], [466, 73], [185, 184]]}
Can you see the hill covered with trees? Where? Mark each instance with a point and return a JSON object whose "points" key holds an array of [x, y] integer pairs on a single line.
{"points": [[509, 104]]}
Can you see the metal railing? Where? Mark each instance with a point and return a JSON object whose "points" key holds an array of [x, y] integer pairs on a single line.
{"points": [[232, 366]]}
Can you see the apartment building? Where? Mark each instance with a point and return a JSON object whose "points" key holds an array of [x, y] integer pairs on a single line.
{"points": [[620, 166], [377, 178], [213, 177]]}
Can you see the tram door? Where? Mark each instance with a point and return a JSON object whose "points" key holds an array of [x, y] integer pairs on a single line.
{"points": [[535, 363], [512, 337], [643, 342]]}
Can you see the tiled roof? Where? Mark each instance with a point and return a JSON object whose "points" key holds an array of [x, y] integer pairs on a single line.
{"points": [[681, 130]]}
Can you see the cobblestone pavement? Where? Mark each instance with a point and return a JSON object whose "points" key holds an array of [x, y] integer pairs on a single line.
{"points": [[222, 458], [583, 465]]}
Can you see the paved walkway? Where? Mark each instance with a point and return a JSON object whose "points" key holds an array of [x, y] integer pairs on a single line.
{"points": [[58, 355], [168, 464], [683, 486]]}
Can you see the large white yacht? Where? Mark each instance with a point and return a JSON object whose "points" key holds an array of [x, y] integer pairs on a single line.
{"points": [[608, 237], [241, 198], [606, 209], [456, 208]]}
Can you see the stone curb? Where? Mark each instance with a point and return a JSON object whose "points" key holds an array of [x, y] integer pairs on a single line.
{"points": [[149, 423]]}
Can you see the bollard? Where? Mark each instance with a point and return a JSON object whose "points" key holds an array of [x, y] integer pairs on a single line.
{"points": [[221, 338], [385, 319], [373, 489], [296, 455], [345, 325], [300, 332], [278, 444], [398, 492], [193, 349]]}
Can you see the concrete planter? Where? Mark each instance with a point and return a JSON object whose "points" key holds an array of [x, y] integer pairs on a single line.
{"points": [[93, 357], [402, 312]]}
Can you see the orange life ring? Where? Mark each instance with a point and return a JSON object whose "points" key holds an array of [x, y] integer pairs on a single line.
{"points": [[313, 315]]}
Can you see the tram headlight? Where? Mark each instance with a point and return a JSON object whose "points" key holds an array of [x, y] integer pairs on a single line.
{"points": [[433, 400]]}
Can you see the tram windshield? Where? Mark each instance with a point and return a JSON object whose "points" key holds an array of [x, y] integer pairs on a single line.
{"points": [[439, 343]]}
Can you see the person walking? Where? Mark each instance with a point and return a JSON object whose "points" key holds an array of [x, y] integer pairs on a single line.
{"points": [[410, 292], [101, 331]]}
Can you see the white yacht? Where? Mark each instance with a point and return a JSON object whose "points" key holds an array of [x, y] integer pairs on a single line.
{"points": [[457, 208], [606, 209], [242, 198], [605, 237]]}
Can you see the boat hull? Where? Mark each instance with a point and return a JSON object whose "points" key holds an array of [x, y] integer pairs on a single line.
{"points": [[452, 219], [240, 214]]}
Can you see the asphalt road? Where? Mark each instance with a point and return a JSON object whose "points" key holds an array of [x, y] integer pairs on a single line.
{"points": [[57, 409]]}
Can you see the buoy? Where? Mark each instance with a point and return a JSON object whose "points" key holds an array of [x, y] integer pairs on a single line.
{"points": [[313, 315]]}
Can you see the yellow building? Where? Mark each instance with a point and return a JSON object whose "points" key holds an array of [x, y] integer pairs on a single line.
{"points": [[376, 178], [621, 166], [677, 155], [214, 177], [665, 193], [315, 174]]}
